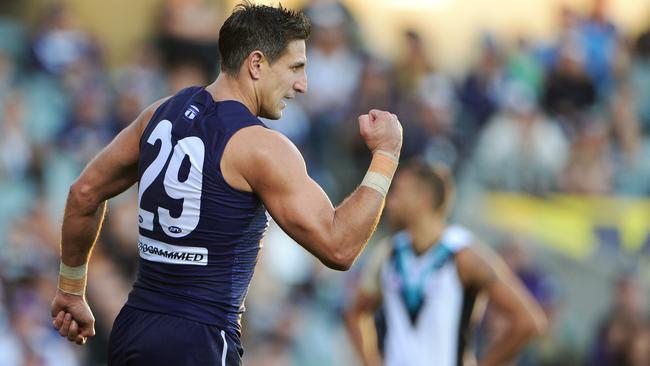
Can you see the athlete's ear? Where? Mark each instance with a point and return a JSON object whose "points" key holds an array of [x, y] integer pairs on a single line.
{"points": [[255, 61]]}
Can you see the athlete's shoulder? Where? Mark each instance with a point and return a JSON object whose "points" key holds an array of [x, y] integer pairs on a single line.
{"points": [[479, 264], [457, 238], [258, 157], [142, 121], [262, 145]]}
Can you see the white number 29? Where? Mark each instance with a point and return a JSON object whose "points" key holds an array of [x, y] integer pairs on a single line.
{"points": [[189, 190]]}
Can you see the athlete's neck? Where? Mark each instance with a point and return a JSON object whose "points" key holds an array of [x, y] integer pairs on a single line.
{"points": [[227, 87], [426, 232]]}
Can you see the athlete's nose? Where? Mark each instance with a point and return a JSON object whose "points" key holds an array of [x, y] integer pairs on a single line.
{"points": [[301, 85]]}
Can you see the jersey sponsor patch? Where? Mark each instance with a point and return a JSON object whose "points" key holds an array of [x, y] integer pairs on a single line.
{"points": [[157, 251]]}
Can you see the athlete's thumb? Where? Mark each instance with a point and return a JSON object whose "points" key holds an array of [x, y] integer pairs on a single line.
{"points": [[364, 124], [87, 329]]}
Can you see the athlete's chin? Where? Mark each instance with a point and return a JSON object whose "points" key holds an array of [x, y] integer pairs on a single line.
{"points": [[395, 223], [277, 114]]}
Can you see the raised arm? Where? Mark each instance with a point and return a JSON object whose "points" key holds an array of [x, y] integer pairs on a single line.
{"points": [[275, 170], [111, 172], [481, 268]]}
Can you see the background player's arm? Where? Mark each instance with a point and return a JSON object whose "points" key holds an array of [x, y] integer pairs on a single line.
{"points": [[111, 172], [480, 268], [276, 171], [360, 325], [359, 314]]}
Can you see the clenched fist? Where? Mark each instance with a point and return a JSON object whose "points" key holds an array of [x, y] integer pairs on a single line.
{"points": [[72, 317], [381, 131]]}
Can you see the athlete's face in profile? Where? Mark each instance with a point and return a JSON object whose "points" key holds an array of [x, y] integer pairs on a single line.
{"points": [[282, 80], [405, 199]]}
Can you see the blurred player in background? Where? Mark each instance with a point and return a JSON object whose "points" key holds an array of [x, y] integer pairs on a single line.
{"points": [[427, 278], [208, 169]]}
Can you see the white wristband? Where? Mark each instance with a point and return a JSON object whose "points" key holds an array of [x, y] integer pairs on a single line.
{"points": [[72, 280], [378, 182], [381, 171]]}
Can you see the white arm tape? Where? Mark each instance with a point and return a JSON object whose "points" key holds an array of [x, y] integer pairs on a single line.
{"points": [[377, 181]]}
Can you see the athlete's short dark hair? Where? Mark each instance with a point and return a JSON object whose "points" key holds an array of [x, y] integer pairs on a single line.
{"points": [[437, 178], [253, 27]]}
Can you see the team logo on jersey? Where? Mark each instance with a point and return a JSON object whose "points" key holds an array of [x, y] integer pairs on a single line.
{"points": [[175, 229], [191, 111]]}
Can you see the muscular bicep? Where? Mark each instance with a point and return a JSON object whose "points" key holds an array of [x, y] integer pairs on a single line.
{"points": [[291, 196], [276, 172]]}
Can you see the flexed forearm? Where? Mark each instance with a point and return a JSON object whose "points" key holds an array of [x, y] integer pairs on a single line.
{"points": [[354, 221], [356, 218]]}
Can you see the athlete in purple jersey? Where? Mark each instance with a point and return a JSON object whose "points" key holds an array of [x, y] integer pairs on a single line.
{"points": [[207, 169]]}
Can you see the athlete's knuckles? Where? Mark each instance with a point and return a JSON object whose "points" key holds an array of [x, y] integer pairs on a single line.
{"points": [[88, 333]]}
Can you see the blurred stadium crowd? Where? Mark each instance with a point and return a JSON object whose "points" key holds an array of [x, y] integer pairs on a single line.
{"points": [[537, 118]]}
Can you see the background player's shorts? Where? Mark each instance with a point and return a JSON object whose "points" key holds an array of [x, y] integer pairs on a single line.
{"points": [[144, 338]]}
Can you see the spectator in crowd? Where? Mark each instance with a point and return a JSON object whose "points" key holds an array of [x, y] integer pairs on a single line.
{"points": [[524, 66], [599, 38], [568, 90], [640, 79], [629, 145], [59, 44], [414, 64], [137, 84], [438, 112], [480, 91], [589, 170], [15, 147], [520, 149], [188, 35], [334, 65], [334, 72]]}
